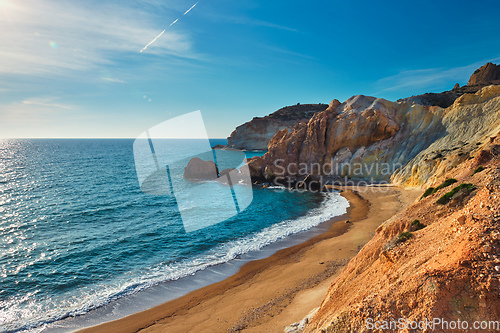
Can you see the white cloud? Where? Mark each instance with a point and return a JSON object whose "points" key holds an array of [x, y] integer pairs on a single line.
{"points": [[254, 22], [427, 78], [49, 37], [38, 117], [31, 111], [48, 102], [112, 79]]}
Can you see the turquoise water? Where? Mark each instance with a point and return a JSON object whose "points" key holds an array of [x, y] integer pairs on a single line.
{"points": [[77, 233]]}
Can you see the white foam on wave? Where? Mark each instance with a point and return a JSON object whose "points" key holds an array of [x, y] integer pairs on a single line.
{"points": [[99, 295], [333, 205]]}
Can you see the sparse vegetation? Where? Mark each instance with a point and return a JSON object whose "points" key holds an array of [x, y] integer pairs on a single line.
{"points": [[427, 192], [466, 187], [446, 183], [403, 237], [432, 190], [478, 169], [417, 225]]}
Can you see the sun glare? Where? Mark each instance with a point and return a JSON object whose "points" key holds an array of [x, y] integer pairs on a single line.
{"points": [[5, 9], [5, 4]]}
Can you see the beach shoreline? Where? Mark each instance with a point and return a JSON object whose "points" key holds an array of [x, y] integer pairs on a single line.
{"points": [[270, 293]]}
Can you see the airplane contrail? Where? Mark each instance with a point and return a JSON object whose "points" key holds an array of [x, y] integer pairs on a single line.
{"points": [[154, 40], [187, 11], [171, 24]]}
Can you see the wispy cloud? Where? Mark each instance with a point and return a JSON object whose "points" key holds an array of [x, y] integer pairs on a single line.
{"points": [[241, 19], [256, 22], [46, 116], [287, 52], [49, 37], [33, 110], [427, 78], [112, 79], [49, 102], [267, 24]]}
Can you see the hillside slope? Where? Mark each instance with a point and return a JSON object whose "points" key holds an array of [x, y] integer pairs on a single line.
{"points": [[449, 269], [470, 123]]}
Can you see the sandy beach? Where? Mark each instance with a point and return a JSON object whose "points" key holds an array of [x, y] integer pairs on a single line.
{"points": [[267, 295]]}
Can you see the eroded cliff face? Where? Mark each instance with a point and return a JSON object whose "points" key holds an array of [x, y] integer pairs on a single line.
{"points": [[362, 138], [446, 265], [378, 140], [470, 124], [447, 270], [255, 134]]}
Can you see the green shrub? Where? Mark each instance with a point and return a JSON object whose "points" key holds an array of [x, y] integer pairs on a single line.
{"points": [[478, 169], [467, 187], [432, 190], [446, 183], [417, 225], [403, 237], [428, 192]]}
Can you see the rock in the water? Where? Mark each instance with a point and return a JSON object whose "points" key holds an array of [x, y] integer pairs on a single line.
{"points": [[226, 171], [198, 169]]}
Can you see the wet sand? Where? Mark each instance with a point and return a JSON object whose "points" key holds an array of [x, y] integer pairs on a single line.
{"points": [[268, 294]]}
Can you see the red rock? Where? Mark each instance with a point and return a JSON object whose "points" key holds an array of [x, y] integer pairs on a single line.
{"points": [[486, 74]]}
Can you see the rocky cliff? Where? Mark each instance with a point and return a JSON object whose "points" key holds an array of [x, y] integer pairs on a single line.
{"points": [[486, 75], [255, 134], [364, 137], [470, 124], [438, 259], [378, 140]]}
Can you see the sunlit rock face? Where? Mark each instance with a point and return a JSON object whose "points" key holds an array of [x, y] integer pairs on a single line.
{"points": [[374, 139], [255, 134], [487, 74], [470, 124], [348, 138]]}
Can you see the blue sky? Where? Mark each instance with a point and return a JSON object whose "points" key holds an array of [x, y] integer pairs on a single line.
{"points": [[73, 68]]}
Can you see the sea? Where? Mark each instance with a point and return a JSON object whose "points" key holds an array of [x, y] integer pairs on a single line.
{"points": [[81, 243]]}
